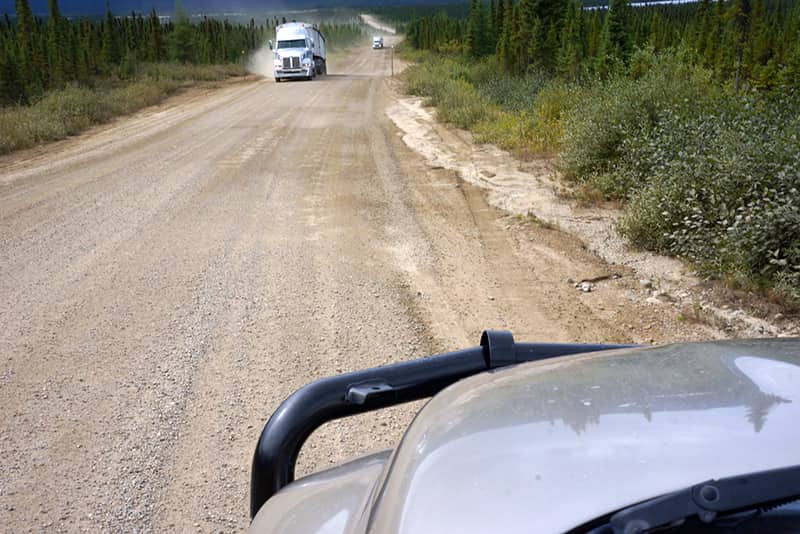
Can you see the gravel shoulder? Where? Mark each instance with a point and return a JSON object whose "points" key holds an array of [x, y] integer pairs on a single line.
{"points": [[168, 279]]}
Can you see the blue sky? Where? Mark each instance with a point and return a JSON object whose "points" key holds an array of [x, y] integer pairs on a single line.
{"points": [[89, 7]]}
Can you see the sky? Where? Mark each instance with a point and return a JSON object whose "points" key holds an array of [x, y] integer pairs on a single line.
{"points": [[119, 7]]}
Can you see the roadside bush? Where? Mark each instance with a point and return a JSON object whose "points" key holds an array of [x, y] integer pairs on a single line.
{"points": [[706, 174], [723, 190], [445, 85], [512, 93], [510, 131], [552, 104], [460, 104], [611, 115]]}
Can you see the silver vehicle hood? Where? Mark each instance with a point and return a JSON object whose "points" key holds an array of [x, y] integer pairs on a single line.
{"points": [[548, 446]]}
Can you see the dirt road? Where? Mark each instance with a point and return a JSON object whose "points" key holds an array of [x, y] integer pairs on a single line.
{"points": [[168, 280]]}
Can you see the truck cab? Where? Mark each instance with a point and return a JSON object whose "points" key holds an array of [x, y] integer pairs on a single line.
{"points": [[377, 42], [299, 50]]}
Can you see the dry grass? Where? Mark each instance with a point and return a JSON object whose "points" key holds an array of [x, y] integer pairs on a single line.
{"points": [[69, 111]]}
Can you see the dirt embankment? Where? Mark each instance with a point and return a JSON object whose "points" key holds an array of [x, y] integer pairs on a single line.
{"points": [[531, 188]]}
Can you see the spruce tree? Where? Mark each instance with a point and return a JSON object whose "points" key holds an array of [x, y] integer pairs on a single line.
{"points": [[501, 18], [571, 52], [478, 38], [181, 41], [615, 40], [504, 46], [739, 16], [110, 53], [547, 38], [55, 45], [25, 64]]}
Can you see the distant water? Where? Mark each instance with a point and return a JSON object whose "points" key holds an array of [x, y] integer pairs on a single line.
{"points": [[648, 4]]}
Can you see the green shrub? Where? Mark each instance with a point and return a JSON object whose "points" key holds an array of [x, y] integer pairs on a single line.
{"points": [[723, 190], [555, 101], [445, 85], [460, 104], [510, 131], [612, 113], [513, 94]]}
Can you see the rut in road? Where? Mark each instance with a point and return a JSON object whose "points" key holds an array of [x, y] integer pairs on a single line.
{"points": [[169, 279]]}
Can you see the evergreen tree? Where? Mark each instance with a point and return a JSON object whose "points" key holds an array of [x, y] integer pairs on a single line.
{"points": [[12, 90], [55, 45], [499, 19], [523, 41], [571, 52], [478, 38], [110, 52], [593, 34], [27, 67], [505, 51], [155, 39], [181, 44], [547, 38], [739, 15], [615, 39]]}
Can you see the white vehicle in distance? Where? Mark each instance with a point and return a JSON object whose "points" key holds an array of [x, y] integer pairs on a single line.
{"points": [[377, 42], [299, 51]]}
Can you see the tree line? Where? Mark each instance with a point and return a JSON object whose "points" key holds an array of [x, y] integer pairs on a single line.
{"points": [[37, 55], [42, 54], [753, 41]]}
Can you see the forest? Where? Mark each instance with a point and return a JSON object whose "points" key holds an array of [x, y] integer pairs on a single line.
{"points": [[38, 55], [60, 75], [756, 40], [686, 116]]}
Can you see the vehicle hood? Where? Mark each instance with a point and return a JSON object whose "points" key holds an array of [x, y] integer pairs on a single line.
{"points": [[548, 446], [290, 51]]}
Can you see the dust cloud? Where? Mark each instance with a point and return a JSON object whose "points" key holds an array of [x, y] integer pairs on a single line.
{"points": [[261, 62]]}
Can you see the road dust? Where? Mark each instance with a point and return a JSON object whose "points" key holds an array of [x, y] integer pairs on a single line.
{"points": [[369, 20], [261, 62]]}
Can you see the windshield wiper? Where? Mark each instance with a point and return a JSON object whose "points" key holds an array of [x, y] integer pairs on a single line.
{"points": [[709, 499]]}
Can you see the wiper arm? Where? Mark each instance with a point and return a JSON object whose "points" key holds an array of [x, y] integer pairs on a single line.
{"points": [[708, 499]]}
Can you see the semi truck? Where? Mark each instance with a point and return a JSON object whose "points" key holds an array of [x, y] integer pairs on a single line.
{"points": [[299, 50]]}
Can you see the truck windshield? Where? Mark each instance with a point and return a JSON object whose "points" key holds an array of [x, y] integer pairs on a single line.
{"points": [[293, 43]]}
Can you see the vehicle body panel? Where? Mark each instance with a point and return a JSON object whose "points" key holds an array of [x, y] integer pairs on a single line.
{"points": [[330, 502], [550, 445]]}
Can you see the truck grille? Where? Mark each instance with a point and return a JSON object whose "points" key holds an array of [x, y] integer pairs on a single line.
{"points": [[291, 63]]}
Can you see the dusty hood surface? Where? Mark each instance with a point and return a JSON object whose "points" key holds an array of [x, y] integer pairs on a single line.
{"points": [[545, 447]]}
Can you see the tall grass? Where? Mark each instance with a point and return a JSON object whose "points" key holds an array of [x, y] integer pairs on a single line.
{"points": [[59, 114]]}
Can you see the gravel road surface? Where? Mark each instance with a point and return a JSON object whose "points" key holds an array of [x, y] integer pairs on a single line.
{"points": [[167, 280]]}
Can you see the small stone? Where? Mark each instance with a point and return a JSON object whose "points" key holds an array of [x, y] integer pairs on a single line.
{"points": [[646, 283], [587, 287]]}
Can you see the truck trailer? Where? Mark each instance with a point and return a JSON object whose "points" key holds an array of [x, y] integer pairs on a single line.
{"points": [[299, 50]]}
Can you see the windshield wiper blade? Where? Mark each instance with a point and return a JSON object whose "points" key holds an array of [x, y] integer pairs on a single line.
{"points": [[709, 499]]}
